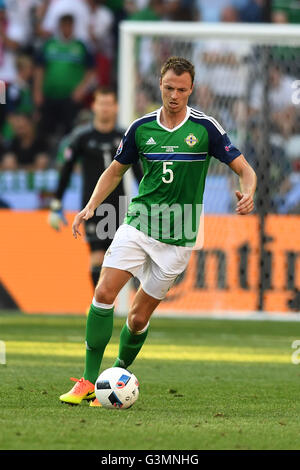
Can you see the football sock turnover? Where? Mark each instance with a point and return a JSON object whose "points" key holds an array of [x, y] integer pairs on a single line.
{"points": [[99, 328], [130, 345]]}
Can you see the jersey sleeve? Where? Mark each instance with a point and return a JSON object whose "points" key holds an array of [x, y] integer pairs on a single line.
{"points": [[127, 152], [220, 145]]}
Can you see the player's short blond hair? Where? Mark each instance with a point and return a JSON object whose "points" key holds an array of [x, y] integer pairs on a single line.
{"points": [[179, 65]]}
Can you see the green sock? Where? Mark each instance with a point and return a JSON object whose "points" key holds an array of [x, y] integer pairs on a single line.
{"points": [[130, 346], [99, 328]]}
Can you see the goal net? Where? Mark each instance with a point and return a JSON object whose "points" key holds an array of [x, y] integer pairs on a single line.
{"points": [[248, 79]]}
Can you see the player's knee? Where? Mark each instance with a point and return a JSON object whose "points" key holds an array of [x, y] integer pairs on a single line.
{"points": [[104, 295], [136, 322]]}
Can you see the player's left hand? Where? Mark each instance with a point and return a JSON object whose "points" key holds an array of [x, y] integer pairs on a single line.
{"points": [[245, 203], [85, 214], [56, 216]]}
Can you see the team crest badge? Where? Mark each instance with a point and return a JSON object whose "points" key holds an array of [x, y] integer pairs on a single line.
{"points": [[191, 140], [120, 148]]}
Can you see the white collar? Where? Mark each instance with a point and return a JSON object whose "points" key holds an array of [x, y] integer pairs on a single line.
{"points": [[188, 111]]}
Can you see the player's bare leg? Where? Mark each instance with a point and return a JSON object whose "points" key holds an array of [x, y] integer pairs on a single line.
{"points": [[143, 306], [110, 283]]}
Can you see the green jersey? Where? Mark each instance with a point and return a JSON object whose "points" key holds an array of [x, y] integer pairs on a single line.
{"points": [[175, 163], [65, 63]]}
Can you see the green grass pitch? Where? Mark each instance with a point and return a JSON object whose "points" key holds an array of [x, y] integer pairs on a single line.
{"points": [[204, 384]]}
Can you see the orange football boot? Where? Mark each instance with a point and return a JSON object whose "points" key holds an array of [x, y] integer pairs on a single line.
{"points": [[82, 390]]}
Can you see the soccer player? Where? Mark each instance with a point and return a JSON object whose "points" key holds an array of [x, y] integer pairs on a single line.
{"points": [[94, 145], [175, 144]]}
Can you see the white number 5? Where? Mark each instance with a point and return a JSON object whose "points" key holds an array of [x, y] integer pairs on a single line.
{"points": [[169, 171]]}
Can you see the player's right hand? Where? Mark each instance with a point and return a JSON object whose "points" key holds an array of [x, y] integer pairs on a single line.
{"points": [[245, 203], [85, 214], [56, 216]]}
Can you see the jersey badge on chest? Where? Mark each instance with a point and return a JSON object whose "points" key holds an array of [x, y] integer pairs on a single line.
{"points": [[191, 140]]}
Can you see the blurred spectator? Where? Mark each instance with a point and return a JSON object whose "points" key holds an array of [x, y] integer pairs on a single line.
{"points": [[19, 98], [282, 109], [8, 50], [287, 56], [20, 20], [152, 12], [27, 150], [115, 5], [288, 201], [205, 100], [119, 12], [221, 66], [79, 9], [93, 24], [289, 9], [133, 6], [210, 11], [279, 17], [249, 11], [280, 169], [102, 41], [63, 77], [147, 47], [178, 10], [100, 28], [172, 10], [285, 188], [143, 103], [230, 14], [9, 44], [19, 93], [252, 11]]}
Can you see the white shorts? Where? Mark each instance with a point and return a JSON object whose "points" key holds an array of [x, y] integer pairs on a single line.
{"points": [[155, 264]]}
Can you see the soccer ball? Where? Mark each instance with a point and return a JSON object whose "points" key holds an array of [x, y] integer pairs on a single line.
{"points": [[117, 388]]}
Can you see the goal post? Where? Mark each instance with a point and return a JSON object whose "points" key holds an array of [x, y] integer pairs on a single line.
{"points": [[247, 77]]}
